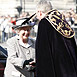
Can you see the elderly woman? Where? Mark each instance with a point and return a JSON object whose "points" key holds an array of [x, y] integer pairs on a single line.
{"points": [[21, 51]]}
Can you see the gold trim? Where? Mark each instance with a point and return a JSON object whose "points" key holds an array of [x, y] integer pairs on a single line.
{"points": [[53, 18]]}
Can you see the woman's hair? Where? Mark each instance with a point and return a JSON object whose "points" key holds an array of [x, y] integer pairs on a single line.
{"points": [[17, 30], [44, 6]]}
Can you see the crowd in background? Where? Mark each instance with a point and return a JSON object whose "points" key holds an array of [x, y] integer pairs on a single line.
{"points": [[6, 22], [70, 16]]}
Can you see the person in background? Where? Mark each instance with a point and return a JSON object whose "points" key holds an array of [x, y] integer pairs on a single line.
{"points": [[56, 53], [21, 51], [69, 18], [2, 28]]}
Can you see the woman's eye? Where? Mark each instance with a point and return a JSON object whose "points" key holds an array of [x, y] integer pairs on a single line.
{"points": [[28, 29]]}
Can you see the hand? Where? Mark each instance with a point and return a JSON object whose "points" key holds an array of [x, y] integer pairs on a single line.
{"points": [[32, 63], [28, 61]]}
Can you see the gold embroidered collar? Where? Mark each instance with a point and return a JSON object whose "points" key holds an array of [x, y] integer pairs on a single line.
{"points": [[57, 20]]}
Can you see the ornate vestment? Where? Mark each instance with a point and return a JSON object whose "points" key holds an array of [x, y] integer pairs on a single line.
{"points": [[56, 54], [58, 21]]}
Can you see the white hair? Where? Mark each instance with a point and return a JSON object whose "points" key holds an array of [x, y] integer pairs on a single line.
{"points": [[17, 30], [44, 6]]}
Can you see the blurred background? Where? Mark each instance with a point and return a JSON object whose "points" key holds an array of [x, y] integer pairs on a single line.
{"points": [[10, 10]]}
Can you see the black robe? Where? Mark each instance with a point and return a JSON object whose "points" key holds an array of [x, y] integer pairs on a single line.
{"points": [[56, 55]]}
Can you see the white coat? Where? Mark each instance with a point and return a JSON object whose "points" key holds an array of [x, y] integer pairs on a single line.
{"points": [[17, 54]]}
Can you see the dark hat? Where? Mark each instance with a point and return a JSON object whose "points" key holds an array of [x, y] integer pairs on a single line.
{"points": [[23, 22]]}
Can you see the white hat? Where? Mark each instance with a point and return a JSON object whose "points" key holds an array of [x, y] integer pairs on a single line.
{"points": [[23, 22]]}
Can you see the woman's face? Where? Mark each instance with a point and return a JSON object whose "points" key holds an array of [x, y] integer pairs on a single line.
{"points": [[24, 32]]}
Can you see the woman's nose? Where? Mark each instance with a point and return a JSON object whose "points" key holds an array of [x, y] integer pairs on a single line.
{"points": [[27, 31]]}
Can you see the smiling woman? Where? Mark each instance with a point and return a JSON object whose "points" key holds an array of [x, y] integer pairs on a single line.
{"points": [[24, 33], [21, 51]]}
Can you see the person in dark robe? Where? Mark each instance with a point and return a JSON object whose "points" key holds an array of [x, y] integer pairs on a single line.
{"points": [[56, 51]]}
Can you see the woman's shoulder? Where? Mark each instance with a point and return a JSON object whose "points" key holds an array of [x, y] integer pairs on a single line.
{"points": [[11, 40]]}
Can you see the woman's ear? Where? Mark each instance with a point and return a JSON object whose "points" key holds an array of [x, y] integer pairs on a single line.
{"points": [[17, 31]]}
